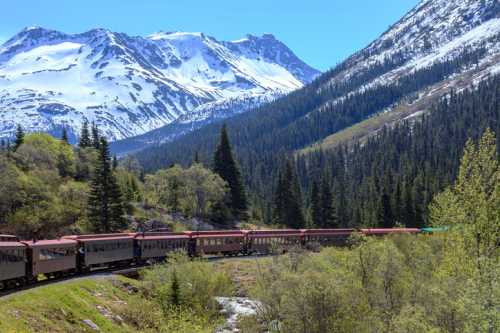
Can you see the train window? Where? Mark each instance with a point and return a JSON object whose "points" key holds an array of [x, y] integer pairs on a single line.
{"points": [[54, 253], [13, 255]]}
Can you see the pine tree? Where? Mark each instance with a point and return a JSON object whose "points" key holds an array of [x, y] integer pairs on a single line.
{"points": [[64, 136], [226, 167], [85, 135], [316, 211], [19, 137], [95, 138], [175, 290], [328, 214], [385, 218], [115, 162], [288, 200], [105, 205]]}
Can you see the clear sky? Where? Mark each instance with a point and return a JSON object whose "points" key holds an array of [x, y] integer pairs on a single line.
{"points": [[321, 32]]}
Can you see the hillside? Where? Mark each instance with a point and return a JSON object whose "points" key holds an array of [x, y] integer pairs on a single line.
{"points": [[445, 44], [132, 85]]}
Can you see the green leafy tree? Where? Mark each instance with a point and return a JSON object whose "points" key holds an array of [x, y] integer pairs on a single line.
{"points": [[226, 167], [471, 209]]}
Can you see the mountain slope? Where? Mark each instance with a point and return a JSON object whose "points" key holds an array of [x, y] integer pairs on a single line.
{"points": [[446, 43], [131, 85]]}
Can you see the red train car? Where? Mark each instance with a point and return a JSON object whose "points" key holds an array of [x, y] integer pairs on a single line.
{"points": [[327, 237], [156, 245], [230, 242], [263, 241], [13, 258], [104, 249], [51, 257]]}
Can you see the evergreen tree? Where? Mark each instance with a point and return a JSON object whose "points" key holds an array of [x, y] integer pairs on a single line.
{"points": [[316, 209], [64, 136], [328, 216], [115, 162], [85, 135], [105, 205], [288, 201], [175, 290], [19, 137], [385, 218], [225, 166], [95, 138]]}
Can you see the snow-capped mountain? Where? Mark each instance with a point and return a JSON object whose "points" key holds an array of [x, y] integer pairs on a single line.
{"points": [[434, 31], [132, 85], [440, 46]]}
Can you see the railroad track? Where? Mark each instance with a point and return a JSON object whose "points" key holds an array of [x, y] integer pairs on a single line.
{"points": [[132, 272]]}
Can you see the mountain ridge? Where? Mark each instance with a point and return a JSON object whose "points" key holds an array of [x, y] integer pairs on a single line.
{"points": [[131, 85]]}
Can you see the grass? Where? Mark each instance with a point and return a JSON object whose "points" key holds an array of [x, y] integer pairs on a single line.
{"points": [[63, 307], [359, 131]]}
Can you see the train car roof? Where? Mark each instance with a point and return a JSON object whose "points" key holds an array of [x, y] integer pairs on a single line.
{"points": [[273, 233], [219, 232], [161, 236], [50, 242], [9, 237], [100, 236], [389, 230], [328, 231], [12, 244]]}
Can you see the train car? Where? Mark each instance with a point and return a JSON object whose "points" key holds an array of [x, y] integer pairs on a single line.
{"points": [[386, 231], [52, 258], [13, 259], [263, 241], [230, 242], [104, 250], [326, 237], [156, 245]]}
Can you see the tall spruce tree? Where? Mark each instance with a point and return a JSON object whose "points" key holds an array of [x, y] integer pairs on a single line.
{"points": [[95, 137], [288, 199], [105, 205], [226, 167], [64, 135], [328, 215], [85, 135], [316, 211], [19, 137]]}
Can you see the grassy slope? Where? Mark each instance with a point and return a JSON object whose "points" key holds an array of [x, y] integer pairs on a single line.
{"points": [[63, 307]]}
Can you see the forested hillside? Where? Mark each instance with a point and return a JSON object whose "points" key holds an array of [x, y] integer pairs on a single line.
{"points": [[398, 170]]}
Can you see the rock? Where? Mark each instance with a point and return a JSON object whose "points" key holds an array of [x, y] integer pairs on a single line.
{"points": [[91, 324]]}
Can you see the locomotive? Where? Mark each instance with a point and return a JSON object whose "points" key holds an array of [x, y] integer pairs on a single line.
{"points": [[22, 262]]}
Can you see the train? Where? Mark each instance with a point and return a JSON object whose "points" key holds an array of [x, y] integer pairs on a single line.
{"points": [[24, 262]]}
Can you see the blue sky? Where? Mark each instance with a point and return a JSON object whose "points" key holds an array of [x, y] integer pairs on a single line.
{"points": [[321, 32]]}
